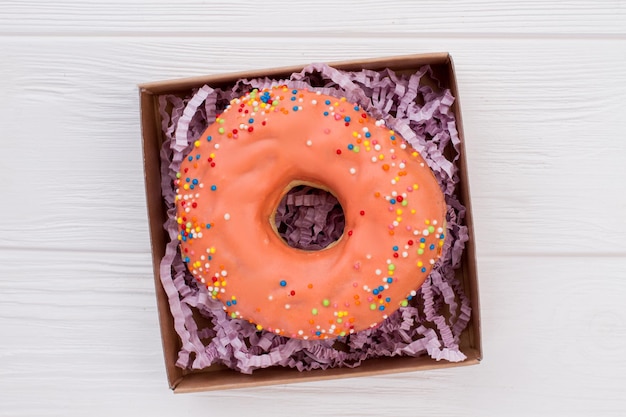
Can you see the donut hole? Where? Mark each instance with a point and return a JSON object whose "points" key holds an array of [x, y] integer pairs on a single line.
{"points": [[309, 218]]}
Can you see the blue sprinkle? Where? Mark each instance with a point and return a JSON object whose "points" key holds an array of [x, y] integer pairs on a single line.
{"points": [[381, 308], [432, 247], [317, 333], [350, 146], [190, 158], [375, 291], [409, 297], [250, 120], [294, 91], [423, 269], [347, 118], [187, 179], [187, 259], [213, 187], [234, 302], [395, 248], [392, 137], [441, 236], [210, 257], [195, 181], [389, 280], [381, 288], [283, 283], [191, 187], [209, 138], [208, 226], [293, 99], [392, 201], [422, 240], [198, 156], [228, 303], [327, 102], [184, 238], [356, 108], [325, 113], [388, 299], [295, 108], [368, 134]]}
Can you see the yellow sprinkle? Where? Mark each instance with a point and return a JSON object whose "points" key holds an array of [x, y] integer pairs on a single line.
{"points": [[399, 212], [412, 211], [399, 219], [422, 245], [415, 186], [414, 154], [186, 186], [366, 143], [196, 144], [259, 327], [397, 178], [212, 250], [212, 155], [391, 132], [419, 263], [381, 156], [179, 220], [427, 221]]}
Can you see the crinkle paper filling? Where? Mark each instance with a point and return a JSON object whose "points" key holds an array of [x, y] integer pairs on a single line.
{"points": [[434, 320]]}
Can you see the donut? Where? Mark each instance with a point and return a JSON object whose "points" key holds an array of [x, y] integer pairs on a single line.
{"points": [[265, 144]]}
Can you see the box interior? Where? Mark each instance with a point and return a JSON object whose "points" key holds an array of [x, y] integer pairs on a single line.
{"points": [[219, 377]]}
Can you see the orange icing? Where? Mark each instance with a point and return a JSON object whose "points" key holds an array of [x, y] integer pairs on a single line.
{"points": [[233, 179]]}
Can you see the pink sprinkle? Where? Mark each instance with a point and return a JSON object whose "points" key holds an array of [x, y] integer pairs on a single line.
{"points": [[334, 305], [370, 298], [393, 157], [337, 116], [346, 304], [354, 284], [408, 228], [409, 189], [357, 265], [391, 227], [390, 208], [327, 131]]}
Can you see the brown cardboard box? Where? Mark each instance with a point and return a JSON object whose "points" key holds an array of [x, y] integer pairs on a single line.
{"points": [[218, 377]]}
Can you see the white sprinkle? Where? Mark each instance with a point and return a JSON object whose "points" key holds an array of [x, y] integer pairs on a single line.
{"points": [[422, 165], [413, 293], [314, 102], [394, 193], [393, 182], [378, 272], [241, 126], [440, 229], [432, 261], [415, 232], [287, 306], [299, 107], [331, 108], [434, 222], [352, 171], [217, 146], [271, 297], [309, 143], [395, 223], [374, 159], [224, 273], [199, 235], [403, 146], [227, 216], [402, 165], [386, 286], [318, 93], [300, 100], [368, 256], [405, 254], [300, 332], [365, 129], [425, 232], [377, 147], [187, 210]]}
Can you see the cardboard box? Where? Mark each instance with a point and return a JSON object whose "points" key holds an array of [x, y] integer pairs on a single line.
{"points": [[218, 377]]}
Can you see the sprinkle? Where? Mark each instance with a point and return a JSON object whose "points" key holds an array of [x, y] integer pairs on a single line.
{"points": [[325, 302], [352, 171], [314, 311], [213, 187], [309, 143], [227, 216], [283, 283]]}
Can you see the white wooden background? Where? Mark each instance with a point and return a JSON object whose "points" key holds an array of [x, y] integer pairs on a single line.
{"points": [[543, 88]]}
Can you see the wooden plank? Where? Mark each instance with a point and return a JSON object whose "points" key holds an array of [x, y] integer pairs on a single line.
{"points": [[327, 18], [82, 336], [540, 172]]}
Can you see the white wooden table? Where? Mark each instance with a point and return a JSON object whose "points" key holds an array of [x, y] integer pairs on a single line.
{"points": [[543, 89]]}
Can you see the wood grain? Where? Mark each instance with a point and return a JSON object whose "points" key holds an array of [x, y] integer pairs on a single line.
{"points": [[542, 135], [542, 88], [327, 18], [82, 334]]}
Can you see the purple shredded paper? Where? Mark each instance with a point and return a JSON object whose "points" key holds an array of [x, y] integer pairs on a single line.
{"points": [[434, 320]]}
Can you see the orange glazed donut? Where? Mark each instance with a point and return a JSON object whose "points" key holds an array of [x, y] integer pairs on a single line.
{"points": [[266, 143]]}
